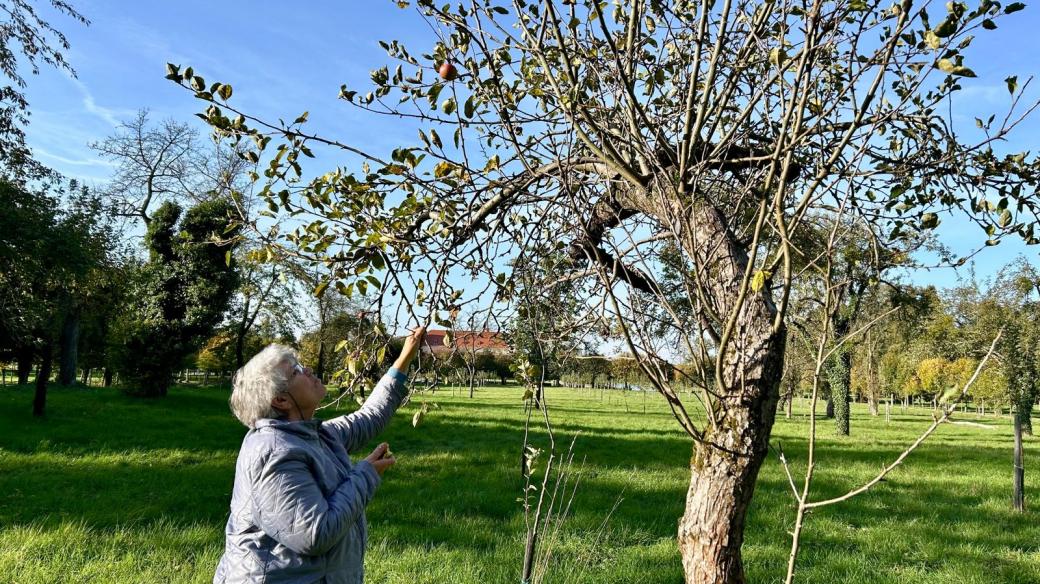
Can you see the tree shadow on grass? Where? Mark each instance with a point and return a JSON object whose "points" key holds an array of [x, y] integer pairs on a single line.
{"points": [[123, 463]]}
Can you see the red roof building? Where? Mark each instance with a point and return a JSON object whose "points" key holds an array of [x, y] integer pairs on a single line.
{"points": [[437, 342]]}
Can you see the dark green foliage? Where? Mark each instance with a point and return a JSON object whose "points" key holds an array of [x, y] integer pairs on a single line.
{"points": [[54, 263], [497, 365], [28, 229], [178, 297]]}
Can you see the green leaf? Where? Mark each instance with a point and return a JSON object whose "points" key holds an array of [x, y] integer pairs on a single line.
{"points": [[173, 72], [1012, 84], [417, 418], [227, 258], [946, 65], [448, 106], [989, 24], [339, 346], [1005, 218], [436, 139], [1014, 7], [224, 92], [302, 118], [319, 290], [929, 221], [946, 27], [778, 56]]}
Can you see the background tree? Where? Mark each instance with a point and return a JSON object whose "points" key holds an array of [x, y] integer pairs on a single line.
{"points": [[165, 161], [620, 134], [179, 295], [1010, 303], [266, 294], [495, 365], [54, 263]]}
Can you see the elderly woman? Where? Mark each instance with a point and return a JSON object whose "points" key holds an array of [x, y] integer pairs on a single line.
{"points": [[298, 507]]}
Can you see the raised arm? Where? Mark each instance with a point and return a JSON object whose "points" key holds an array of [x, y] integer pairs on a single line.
{"points": [[361, 426]]}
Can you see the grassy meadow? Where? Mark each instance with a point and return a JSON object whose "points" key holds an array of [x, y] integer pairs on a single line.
{"points": [[108, 488]]}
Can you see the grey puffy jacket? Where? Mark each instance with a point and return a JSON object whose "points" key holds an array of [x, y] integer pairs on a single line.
{"points": [[298, 507]]}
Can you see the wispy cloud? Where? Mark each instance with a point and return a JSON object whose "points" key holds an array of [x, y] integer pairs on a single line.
{"points": [[110, 115], [73, 161]]}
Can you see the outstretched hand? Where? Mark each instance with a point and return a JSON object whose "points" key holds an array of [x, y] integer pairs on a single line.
{"points": [[411, 347], [381, 458]]}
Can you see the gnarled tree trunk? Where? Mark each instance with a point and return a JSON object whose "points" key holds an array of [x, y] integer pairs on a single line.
{"points": [[725, 464], [722, 482]]}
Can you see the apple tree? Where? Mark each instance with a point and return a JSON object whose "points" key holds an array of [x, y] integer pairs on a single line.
{"points": [[670, 155]]}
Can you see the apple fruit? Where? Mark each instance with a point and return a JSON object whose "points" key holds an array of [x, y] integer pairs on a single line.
{"points": [[447, 71]]}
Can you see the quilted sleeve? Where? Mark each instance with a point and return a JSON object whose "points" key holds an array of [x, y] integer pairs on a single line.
{"points": [[290, 507], [361, 426]]}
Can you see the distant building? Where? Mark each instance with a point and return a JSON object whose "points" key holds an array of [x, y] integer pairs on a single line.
{"points": [[488, 342]]}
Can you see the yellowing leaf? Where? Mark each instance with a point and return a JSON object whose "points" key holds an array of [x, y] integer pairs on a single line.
{"points": [[932, 39], [1005, 218], [758, 280], [442, 169]]}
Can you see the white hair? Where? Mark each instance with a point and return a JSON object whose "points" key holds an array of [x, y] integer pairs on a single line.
{"points": [[258, 381]]}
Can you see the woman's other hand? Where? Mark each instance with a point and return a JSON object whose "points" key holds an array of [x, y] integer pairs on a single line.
{"points": [[381, 459]]}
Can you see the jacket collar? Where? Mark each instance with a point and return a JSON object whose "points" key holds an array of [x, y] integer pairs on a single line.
{"points": [[303, 428]]}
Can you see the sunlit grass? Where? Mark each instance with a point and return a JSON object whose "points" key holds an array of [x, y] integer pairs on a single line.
{"points": [[114, 489]]}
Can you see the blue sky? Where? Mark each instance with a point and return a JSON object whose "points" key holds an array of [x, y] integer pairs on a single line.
{"points": [[283, 58]]}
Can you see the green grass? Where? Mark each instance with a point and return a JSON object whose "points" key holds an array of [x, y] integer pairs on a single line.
{"points": [[114, 489]]}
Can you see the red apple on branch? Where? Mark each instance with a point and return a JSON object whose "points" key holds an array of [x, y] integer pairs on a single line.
{"points": [[447, 71]]}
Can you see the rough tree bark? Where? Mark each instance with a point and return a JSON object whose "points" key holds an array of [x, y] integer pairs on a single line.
{"points": [[725, 463]]}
